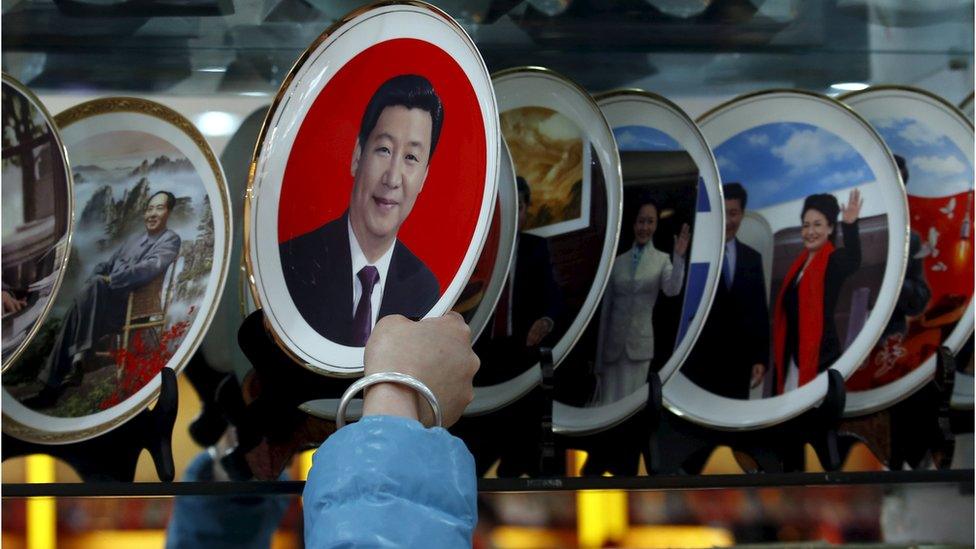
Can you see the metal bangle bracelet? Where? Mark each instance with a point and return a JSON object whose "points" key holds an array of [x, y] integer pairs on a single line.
{"points": [[388, 377]]}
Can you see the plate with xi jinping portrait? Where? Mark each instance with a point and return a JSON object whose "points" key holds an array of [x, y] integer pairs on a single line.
{"points": [[567, 173], [816, 245], [37, 211], [372, 184], [149, 257], [933, 144], [665, 267]]}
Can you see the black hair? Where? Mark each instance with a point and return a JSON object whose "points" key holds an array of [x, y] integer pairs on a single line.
{"points": [[410, 91], [645, 200], [170, 199], [826, 204], [523, 189], [902, 168], [735, 191]]}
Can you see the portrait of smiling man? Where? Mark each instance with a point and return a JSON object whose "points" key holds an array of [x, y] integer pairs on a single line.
{"points": [[348, 273]]}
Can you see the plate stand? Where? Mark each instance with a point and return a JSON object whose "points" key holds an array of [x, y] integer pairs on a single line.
{"points": [[680, 446], [210, 423], [917, 431], [270, 426], [518, 437], [618, 450], [113, 456]]}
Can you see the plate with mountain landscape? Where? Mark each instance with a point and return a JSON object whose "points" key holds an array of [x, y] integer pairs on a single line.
{"points": [[568, 185], [148, 260]]}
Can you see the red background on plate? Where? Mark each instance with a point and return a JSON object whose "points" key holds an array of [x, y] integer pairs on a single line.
{"points": [[317, 182], [951, 288]]}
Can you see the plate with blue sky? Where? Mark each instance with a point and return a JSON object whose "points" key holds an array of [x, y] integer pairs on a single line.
{"points": [[933, 144], [665, 267], [815, 253]]}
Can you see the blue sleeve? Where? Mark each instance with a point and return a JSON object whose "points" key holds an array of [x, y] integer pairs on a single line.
{"points": [[218, 522], [389, 482]]}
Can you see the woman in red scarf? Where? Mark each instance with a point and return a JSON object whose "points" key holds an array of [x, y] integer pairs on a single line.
{"points": [[805, 340]]}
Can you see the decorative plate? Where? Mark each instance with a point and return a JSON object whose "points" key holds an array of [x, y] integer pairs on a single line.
{"points": [[820, 253], [37, 211], [374, 176], [670, 182], [564, 153], [934, 141], [149, 258], [478, 300]]}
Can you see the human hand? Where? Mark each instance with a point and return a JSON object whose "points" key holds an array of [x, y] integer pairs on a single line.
{"points": [[852, 210], [758, 373], [436, 351], [681, 241], [540, 329], [11, 304]]}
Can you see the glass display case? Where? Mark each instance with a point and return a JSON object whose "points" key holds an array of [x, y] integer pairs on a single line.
{"points": [[217, 61]]}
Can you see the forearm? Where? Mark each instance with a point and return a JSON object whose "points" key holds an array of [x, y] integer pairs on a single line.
{"points": [[673, 277], [389, 482], [851, 252]]}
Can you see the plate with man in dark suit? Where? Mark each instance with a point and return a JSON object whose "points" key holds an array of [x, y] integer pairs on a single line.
{"points": [[355, 263], [810, 270], [934, 307], [373, 197]]}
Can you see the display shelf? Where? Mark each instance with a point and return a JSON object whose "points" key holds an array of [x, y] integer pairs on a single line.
{"points": [[238, 46], [218, 49], [964, 478]]}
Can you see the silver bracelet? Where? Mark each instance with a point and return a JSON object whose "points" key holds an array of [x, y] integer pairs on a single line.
{"points": [[388, 377]]}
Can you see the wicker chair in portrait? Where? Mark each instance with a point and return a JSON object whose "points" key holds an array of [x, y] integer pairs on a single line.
{"points": [[147, 305]]}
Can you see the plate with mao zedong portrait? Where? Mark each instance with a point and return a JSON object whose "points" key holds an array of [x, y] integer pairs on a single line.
{"points": [[372, 184], [816, 243], [567, 174], [37, 209], [149, 256], [932, 141], [666, 265]]}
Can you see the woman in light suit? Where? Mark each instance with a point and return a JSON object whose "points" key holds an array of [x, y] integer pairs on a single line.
{"points": [[626, 338]]}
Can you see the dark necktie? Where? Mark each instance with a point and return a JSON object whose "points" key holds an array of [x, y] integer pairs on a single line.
{"points": [[362, 321], [726, 271]]}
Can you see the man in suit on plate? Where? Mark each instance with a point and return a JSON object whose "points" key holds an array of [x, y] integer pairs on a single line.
{"points": [[99, 308], [732, 351], [347, 274], [529, 308]]}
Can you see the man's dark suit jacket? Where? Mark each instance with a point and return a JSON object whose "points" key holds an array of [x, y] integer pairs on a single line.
{"points": [[318, 272], [736, 333], [915, 292], [536, 295]]}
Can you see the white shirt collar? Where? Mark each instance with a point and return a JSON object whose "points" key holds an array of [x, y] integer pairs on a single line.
{"points": [[359, 258]]}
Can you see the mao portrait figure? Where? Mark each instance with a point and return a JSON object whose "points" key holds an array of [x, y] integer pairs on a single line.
{"points": [[805, 339], [346, 274], [99, 308], [626, 335]]}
